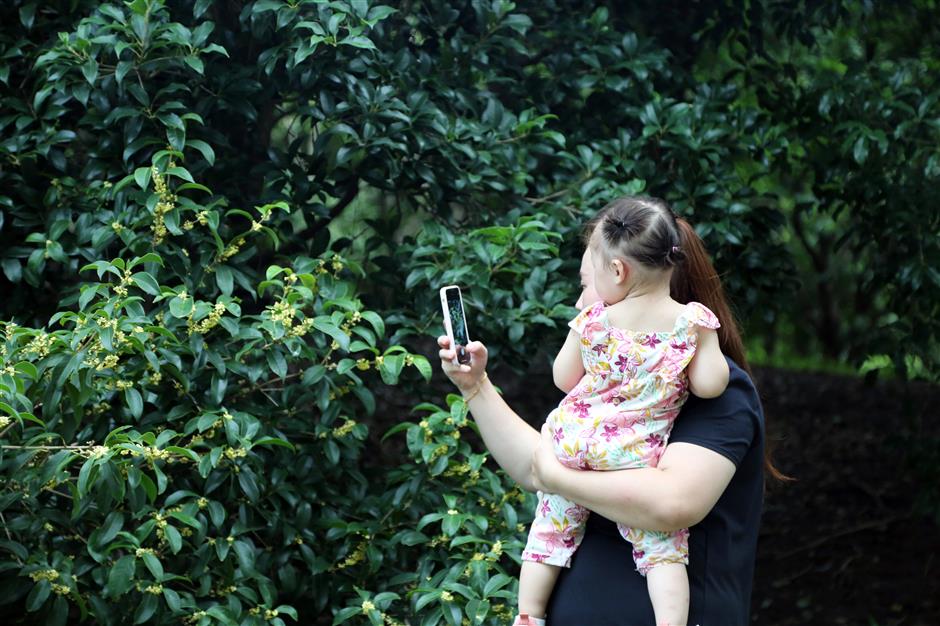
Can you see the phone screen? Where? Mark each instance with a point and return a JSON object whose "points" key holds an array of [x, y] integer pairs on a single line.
{"points": [[458, 323]]}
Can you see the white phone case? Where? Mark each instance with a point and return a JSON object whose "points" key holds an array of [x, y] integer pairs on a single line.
{"points": [[447, 324]]}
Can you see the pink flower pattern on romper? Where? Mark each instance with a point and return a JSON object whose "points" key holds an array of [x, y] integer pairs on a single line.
{"points": [[619, 416]]}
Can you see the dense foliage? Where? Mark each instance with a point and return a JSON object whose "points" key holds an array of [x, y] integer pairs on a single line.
{"points": [[223, 224]]}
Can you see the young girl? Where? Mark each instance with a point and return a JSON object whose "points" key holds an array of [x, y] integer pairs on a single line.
{"points": [[627, 366]]}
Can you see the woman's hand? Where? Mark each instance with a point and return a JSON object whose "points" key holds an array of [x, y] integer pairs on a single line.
{"points": [[466, 377], [546, 467]]}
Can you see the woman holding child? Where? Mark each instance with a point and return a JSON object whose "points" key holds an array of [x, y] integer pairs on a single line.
{"points": [[650, 471]]}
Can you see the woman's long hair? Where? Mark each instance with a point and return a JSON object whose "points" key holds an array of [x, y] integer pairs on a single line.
{"points": [[647, 230], [695, 280]]}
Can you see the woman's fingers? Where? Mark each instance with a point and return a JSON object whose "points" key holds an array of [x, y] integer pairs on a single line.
{"points": [[443, 341]]}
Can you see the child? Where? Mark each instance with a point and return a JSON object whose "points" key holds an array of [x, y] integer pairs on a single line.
{"points": [[627, 368]]}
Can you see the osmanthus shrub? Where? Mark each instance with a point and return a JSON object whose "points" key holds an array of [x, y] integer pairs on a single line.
{"points": [[185, 437], [170, 457]]}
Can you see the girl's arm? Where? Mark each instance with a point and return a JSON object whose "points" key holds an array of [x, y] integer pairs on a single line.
{"points": [[677, 494], [509, 439], [568, 368], [708, 370]]}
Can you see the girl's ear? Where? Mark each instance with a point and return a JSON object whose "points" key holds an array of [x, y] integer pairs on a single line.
{"points": [[621, 271]]}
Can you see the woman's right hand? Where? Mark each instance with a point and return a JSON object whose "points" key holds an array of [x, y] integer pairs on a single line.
{"points": [[465, 377]]}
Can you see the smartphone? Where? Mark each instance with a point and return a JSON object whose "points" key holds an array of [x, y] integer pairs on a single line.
{"points": [[455, 322]]}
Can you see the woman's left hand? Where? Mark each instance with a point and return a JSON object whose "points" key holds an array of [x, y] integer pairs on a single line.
{"points": [[545, 465]]}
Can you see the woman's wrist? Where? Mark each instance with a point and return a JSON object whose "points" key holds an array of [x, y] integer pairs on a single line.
{"points": [[471, 392]]}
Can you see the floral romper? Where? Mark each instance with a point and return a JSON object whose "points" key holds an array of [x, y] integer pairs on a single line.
{"points": [[618, 417]]}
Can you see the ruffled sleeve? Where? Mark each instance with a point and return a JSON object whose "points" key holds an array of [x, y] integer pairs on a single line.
{"points": [[586, 317], [697, 314]]}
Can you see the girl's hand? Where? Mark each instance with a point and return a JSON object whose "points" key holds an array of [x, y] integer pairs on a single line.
{"points": [[466, 377], [545, 465]]}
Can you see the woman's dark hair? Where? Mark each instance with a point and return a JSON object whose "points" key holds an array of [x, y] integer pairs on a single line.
{"points": [[647, 230]]}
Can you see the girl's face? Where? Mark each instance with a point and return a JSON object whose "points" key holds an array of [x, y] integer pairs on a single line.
{"points": [[588, 293]]}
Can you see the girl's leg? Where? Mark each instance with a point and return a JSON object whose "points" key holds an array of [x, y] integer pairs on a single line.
{"points": [[536, 581], [554, 536], [668, 586], [662, 557]]}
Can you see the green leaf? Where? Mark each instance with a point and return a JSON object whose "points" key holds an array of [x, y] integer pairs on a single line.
{"points": [[323, 324], [249, 484], [59, 612], [146, 609], [90, 71], [173, 538], [38, 595], [423, 366], [85, 479], [146, 282], [224, 279], [189, 520], [273, 441], [172, 600], [205, 149], [376, 321], [27, 368], [123, 67], [121, 576], [111, 526], [180, 307], [154, 565], [142, 177], [134, 401], [358, 42], [195, 63]]}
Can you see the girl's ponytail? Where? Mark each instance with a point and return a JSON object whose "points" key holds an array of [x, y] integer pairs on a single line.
{"points": [[695, 280]]}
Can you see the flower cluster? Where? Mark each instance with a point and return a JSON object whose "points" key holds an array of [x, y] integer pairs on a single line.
{"points": [[39, 345], [208, 323], [165, 204]]}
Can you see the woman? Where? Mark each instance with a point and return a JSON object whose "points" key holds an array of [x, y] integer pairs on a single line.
{"points": [[709, 479]]}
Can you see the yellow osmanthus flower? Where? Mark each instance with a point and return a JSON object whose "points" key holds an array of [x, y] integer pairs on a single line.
{"points": [[208, 323], [355, 557], [98, 451], [44, 574], [235, 453], [61, 590], [345, 429], [165, 204], [302, 328], [282, 311], [367, 606], [39, 345]]}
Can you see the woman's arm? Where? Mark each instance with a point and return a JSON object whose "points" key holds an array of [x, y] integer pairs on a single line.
{"points": [[509, 439], [568, 368], [677, 494], [708, 370]]}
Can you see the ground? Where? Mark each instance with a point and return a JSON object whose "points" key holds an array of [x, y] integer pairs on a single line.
{"points": [[844, 543]]}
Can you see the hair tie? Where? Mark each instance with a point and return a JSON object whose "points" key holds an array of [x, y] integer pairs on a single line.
{"points": [[675, 249]]}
